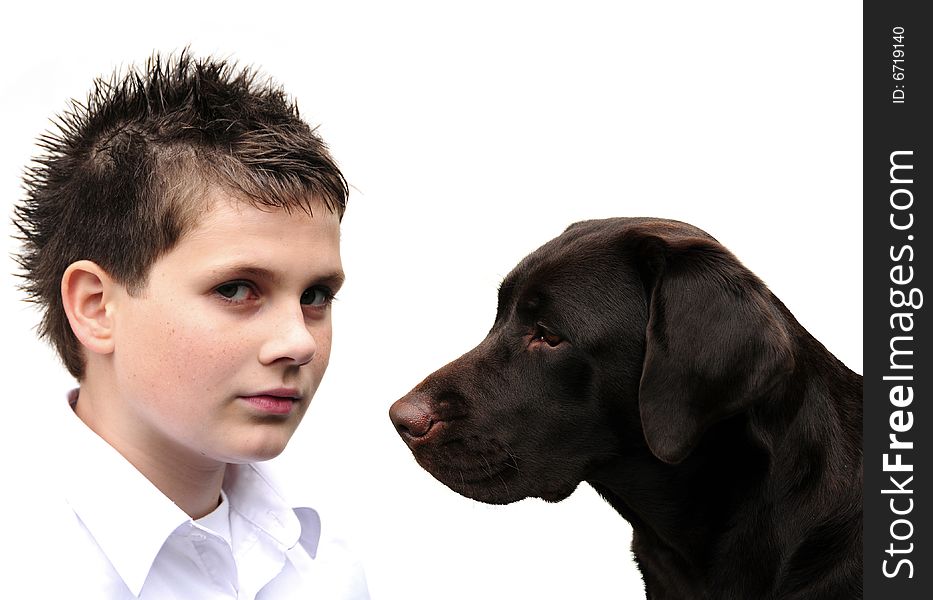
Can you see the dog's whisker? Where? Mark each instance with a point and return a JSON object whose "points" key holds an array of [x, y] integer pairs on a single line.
{"points": [[508, 492], [513, 463], [488, 467]]}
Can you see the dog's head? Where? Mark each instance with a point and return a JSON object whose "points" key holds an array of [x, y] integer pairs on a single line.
{"points": [[619, 337]]}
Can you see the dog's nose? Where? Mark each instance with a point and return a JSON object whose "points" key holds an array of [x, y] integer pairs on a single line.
{"points": [[412, 415]]}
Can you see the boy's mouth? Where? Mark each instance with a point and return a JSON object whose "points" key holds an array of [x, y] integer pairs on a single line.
{"points": [[278, 401]]}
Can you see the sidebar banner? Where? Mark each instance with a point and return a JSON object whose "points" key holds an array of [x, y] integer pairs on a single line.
{"points": [[898, 225]]}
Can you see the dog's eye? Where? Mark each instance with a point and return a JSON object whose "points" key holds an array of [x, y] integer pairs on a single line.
{"points": [[543, 334]]}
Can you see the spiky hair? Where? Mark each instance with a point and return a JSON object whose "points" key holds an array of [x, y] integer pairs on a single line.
{"points": [[124, 176]]}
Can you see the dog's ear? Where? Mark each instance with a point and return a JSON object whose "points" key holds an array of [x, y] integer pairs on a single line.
{"points": [[715, 342]]}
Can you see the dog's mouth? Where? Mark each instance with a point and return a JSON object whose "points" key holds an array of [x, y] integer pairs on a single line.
{"points": [[484, 470], [487, 471], [470, 458]]}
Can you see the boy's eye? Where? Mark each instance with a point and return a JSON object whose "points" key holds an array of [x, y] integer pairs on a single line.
{"points": [[234, 291], [316, 296]]}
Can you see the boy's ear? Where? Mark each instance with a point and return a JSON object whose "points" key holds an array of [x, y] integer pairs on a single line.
{"points": [[86, 291]]}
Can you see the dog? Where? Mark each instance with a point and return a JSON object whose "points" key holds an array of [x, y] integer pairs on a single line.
{"points": [[640, 356]]}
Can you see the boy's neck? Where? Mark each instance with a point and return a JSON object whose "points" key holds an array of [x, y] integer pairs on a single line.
{"points": [[188, 480]]}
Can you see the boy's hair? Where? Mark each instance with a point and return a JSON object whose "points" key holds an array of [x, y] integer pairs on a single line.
{"points": [[125, 176]]}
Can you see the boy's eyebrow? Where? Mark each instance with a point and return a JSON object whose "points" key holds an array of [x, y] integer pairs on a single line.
{"points": [[334, 278]]}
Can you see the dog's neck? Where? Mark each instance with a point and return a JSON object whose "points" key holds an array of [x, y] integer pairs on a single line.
{"points": [[651, 496], [739, 475]]}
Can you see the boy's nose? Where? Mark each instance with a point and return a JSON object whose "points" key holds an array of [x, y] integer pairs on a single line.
{"points": [[289, 339]]}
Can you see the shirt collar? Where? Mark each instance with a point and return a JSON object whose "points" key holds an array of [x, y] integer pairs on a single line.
{"points": [[256, 491], [255, 497]]}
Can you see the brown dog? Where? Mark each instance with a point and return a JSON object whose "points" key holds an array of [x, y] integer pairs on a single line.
{"points": [[640, 356]]}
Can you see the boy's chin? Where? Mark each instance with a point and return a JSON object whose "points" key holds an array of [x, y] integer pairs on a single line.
{"points": [[262, 456], [258, 442], [256, 452]]}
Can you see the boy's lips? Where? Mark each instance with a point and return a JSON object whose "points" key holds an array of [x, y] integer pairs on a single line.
{"points": [[277, 401]]}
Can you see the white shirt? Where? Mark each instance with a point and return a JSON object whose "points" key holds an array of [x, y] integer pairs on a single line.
{"points": [[113, 535]]}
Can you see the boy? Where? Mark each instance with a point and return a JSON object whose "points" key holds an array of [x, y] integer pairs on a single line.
{"points": [[182, 236]]}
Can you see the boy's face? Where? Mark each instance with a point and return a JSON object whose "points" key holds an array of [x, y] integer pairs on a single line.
{"points": [[217, 359]]}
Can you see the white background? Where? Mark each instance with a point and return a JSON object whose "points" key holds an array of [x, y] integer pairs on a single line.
{"points": [[472, 133]]}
